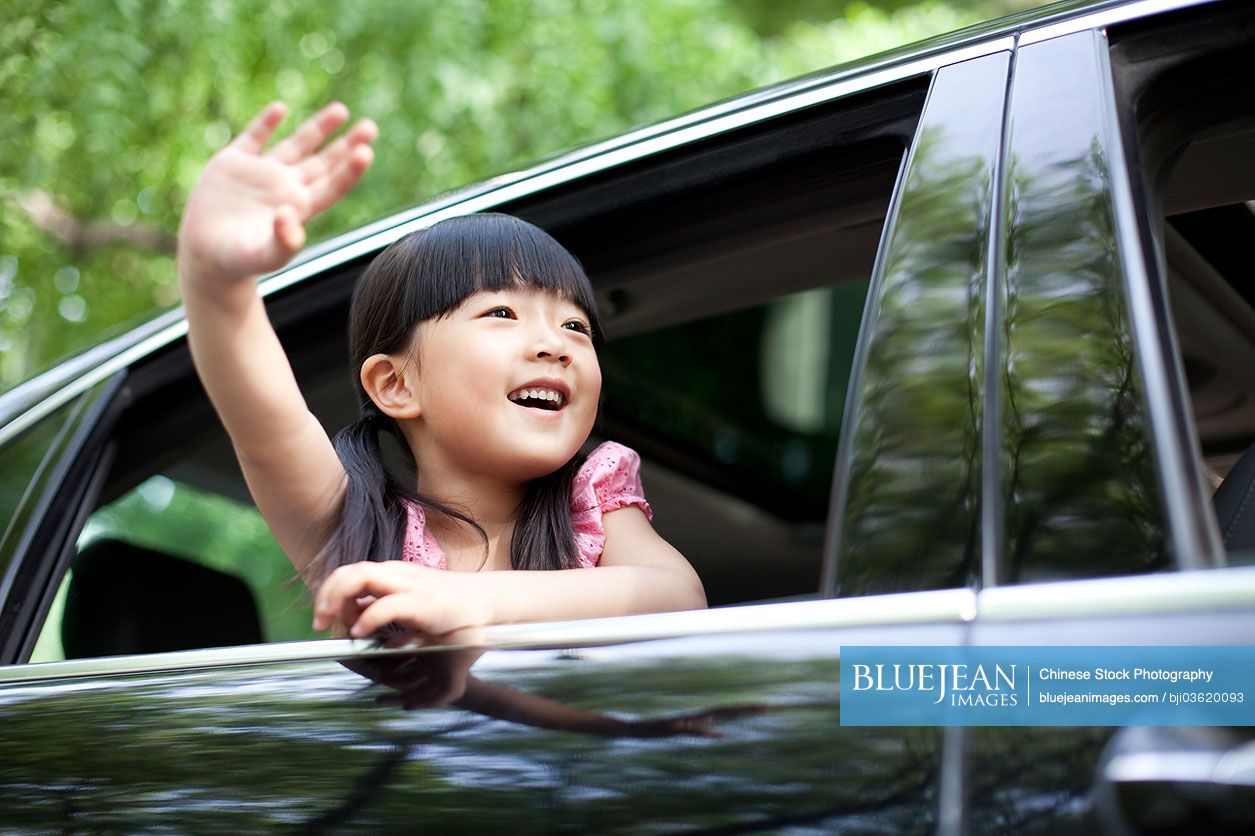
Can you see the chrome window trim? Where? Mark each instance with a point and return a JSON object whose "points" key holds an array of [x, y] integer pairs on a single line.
{"points": [[1203, 591], [1103, 18], [939, 606], [579, 164], [955, 606], [213, 657], [1145, 595], [1226, 768]]}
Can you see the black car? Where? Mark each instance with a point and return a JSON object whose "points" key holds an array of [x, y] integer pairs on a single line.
{"points": [[984, 315]]}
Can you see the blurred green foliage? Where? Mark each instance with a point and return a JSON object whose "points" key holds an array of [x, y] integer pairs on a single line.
{"points": [[114, 106]]}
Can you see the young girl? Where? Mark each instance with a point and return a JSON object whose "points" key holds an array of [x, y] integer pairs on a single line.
{"points": [[474, 343]]}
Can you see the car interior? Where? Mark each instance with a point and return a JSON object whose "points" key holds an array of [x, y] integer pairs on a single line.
{"points": [[1186, 85]]}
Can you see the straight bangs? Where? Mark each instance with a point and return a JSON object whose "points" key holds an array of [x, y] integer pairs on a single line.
{"points": [[459, 257]]}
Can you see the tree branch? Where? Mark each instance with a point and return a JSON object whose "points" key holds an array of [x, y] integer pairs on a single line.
{"points": [[80, 235]]}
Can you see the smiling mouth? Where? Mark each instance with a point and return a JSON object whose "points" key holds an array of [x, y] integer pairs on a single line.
{"points": [[550, 400]]}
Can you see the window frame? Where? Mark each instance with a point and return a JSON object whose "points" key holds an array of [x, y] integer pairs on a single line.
{"points": [[156, 353], [76, 468], [1163, 43]]}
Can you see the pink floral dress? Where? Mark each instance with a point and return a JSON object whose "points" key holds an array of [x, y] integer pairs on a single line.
{"points": [[608, 480]]}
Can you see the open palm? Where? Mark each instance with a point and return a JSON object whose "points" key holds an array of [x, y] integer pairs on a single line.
{"points": [[247, 214]]}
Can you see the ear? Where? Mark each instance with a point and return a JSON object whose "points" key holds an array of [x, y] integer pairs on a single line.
{"points": [[391, 385]]}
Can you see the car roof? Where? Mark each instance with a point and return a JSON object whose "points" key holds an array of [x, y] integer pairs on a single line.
{"points": [[33, 399]]}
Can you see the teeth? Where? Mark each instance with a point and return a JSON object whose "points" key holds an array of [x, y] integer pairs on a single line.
{"points": [[538, 394]]}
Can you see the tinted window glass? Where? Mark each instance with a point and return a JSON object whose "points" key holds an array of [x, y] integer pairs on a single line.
{"points": [[743, 411], [20, 461], [752, 399], [1184, 82]]}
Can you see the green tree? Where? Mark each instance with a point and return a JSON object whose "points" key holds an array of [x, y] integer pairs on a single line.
{"points": [[113, 107]]}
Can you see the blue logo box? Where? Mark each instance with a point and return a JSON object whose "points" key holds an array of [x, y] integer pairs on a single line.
{"points": [[1048, 686]]}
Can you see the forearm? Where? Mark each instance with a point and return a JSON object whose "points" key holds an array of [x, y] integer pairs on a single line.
{"points": [[287, 460], [366, 596], [521, 596], [242, 365]]}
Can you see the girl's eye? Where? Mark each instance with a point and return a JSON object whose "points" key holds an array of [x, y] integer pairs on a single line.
{"points": [[501, 313], [578, 326]]}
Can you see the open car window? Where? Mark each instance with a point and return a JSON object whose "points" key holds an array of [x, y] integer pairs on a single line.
{"points": [[1184, 84], [171, 567], [732, 277]]}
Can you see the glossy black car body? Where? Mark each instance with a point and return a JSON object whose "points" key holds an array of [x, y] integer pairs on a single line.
{"points": [[1021, 250]]}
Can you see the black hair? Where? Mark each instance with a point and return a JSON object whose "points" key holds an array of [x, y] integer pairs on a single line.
{"points": [[423, 276]]}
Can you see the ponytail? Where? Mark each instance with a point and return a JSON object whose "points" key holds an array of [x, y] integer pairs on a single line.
{"points": [[373, 517], [544, 535]]}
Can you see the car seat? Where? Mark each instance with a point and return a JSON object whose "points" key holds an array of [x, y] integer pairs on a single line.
{"points": [[126, 599], [1234, 502]]}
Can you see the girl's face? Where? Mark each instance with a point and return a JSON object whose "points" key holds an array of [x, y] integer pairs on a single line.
{"points": [[508, 385]]}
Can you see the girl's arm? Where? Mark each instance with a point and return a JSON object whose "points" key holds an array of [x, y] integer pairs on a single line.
{"points": [[638, 572], [245, 218]]}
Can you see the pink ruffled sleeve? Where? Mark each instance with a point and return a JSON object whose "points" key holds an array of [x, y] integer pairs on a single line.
{"points": [[608, 480], [420, 544]]}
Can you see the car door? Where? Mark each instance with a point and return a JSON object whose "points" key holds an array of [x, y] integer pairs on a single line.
{"points": [[1097, 470], [727, 718]]}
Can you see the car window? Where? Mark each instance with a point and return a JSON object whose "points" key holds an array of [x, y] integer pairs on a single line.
{"points": [[22, 460], [732, 279], [1184, 84], [763, 412], [237, 586], [737, 417]]}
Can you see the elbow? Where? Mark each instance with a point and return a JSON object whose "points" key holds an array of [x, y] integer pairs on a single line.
{"points": [[656, 590], [691, 594], [699, 594]]}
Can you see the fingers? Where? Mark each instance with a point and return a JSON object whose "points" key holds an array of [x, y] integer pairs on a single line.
{"points": [[319, 165], [339, 593], [258, 133], [325, 192], [398, 607], [312, 133], [289, 232], [288, 237], [367, 596]]}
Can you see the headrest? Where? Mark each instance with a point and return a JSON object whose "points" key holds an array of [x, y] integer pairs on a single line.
{"points": [[1234, 502], [127, 599]]}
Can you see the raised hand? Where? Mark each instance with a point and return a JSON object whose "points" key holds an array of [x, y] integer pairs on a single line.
{"points": [[247, 214]]}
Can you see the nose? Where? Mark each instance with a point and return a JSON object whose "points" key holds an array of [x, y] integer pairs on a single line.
{"points": [[559, 356], [549, 346]]}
